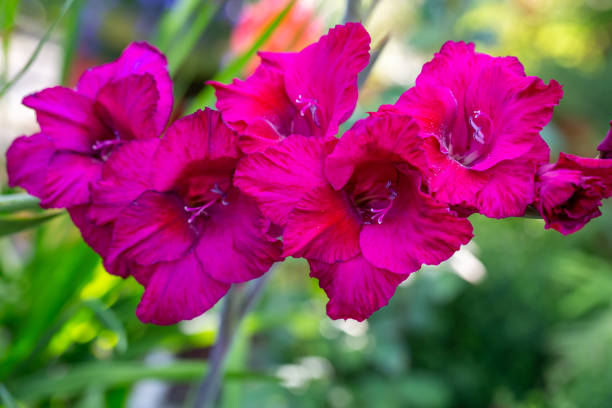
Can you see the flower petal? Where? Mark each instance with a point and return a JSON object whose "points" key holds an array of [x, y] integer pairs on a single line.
{"points": [[195, 138], [279, 177], [67, 117], [417, 230], [27, 160], [153, 228], [178, 290], [355, 288], [125, 176], [98, 238], [258, 108], [138, 58], [505, 190], [233, 245], [326, 72], [323, 226], [388, 137], [128, 106], [68, 179], [605, 147]]}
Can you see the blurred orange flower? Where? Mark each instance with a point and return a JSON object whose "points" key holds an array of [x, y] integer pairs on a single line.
{"points": [[300, 28]]}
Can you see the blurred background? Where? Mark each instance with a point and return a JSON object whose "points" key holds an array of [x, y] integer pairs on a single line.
{"points": [[521, 317]]}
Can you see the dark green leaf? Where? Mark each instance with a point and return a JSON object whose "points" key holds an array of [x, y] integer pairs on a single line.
{"points": [[108, 374], [11, 224]]}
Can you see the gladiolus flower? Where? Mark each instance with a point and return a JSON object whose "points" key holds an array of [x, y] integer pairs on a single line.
{"points": [[113, 105], [355, 209], [185, 230], [481, 117], [309, 93], [128, 99], [569, 192]]}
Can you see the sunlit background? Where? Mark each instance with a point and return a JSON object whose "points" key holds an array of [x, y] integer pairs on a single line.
{"points": [[521, 317]]}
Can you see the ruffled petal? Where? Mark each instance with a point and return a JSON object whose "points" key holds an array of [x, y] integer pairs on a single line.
{"points": [[323, 226], [505, 190], [197, 138], [68, 179], [416, 231], [258, 108], [279, 177], [138, 58], [125, 176], [98, 238], [233, 245], [355, 288], [178, 290], [153, 228], [27, 160], [67, 117], [605, 147], [128, 106], [387, 137], [325, 73]]}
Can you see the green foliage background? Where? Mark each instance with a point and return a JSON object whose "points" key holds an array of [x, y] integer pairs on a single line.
{"points": [[535, 332]]}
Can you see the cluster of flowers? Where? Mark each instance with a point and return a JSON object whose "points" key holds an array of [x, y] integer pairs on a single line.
{"points": [[201, 208]]}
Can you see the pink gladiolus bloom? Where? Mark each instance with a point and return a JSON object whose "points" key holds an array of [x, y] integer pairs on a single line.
{"points": [[186, 232], [308, 93], [605, 147], [128, 99], [113, 105], [569, 192], [481, 117], [355, 209]]}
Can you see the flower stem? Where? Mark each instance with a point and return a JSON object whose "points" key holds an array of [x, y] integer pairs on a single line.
{"points": [[236, 306]]}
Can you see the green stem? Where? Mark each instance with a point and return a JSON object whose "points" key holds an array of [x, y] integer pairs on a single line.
{"points": [[17, 202], [235, 308]]}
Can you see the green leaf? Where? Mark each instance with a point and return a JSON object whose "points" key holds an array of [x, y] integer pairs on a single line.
{"points": [[17, 202], [172, 22], [109, 374], [12, 224], [111, 321], [50, 296], [207, 96], [41, 43], [7, 399]]}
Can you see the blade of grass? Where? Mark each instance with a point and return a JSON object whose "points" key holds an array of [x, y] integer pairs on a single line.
{"points": [[8, 14], [11, 225], [206, 96], [17, 202], [71, 37], [172, 22], [50, 297], [7, 399], [182, 46], [111, 321], [65, 7], [108, 374]]}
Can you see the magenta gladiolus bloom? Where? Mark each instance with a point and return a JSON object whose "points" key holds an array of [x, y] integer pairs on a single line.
{"points": [[310, 92], [605, 147], [355, 209], [569, 192], [186, 232], [481, 117], [128, 99]]}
